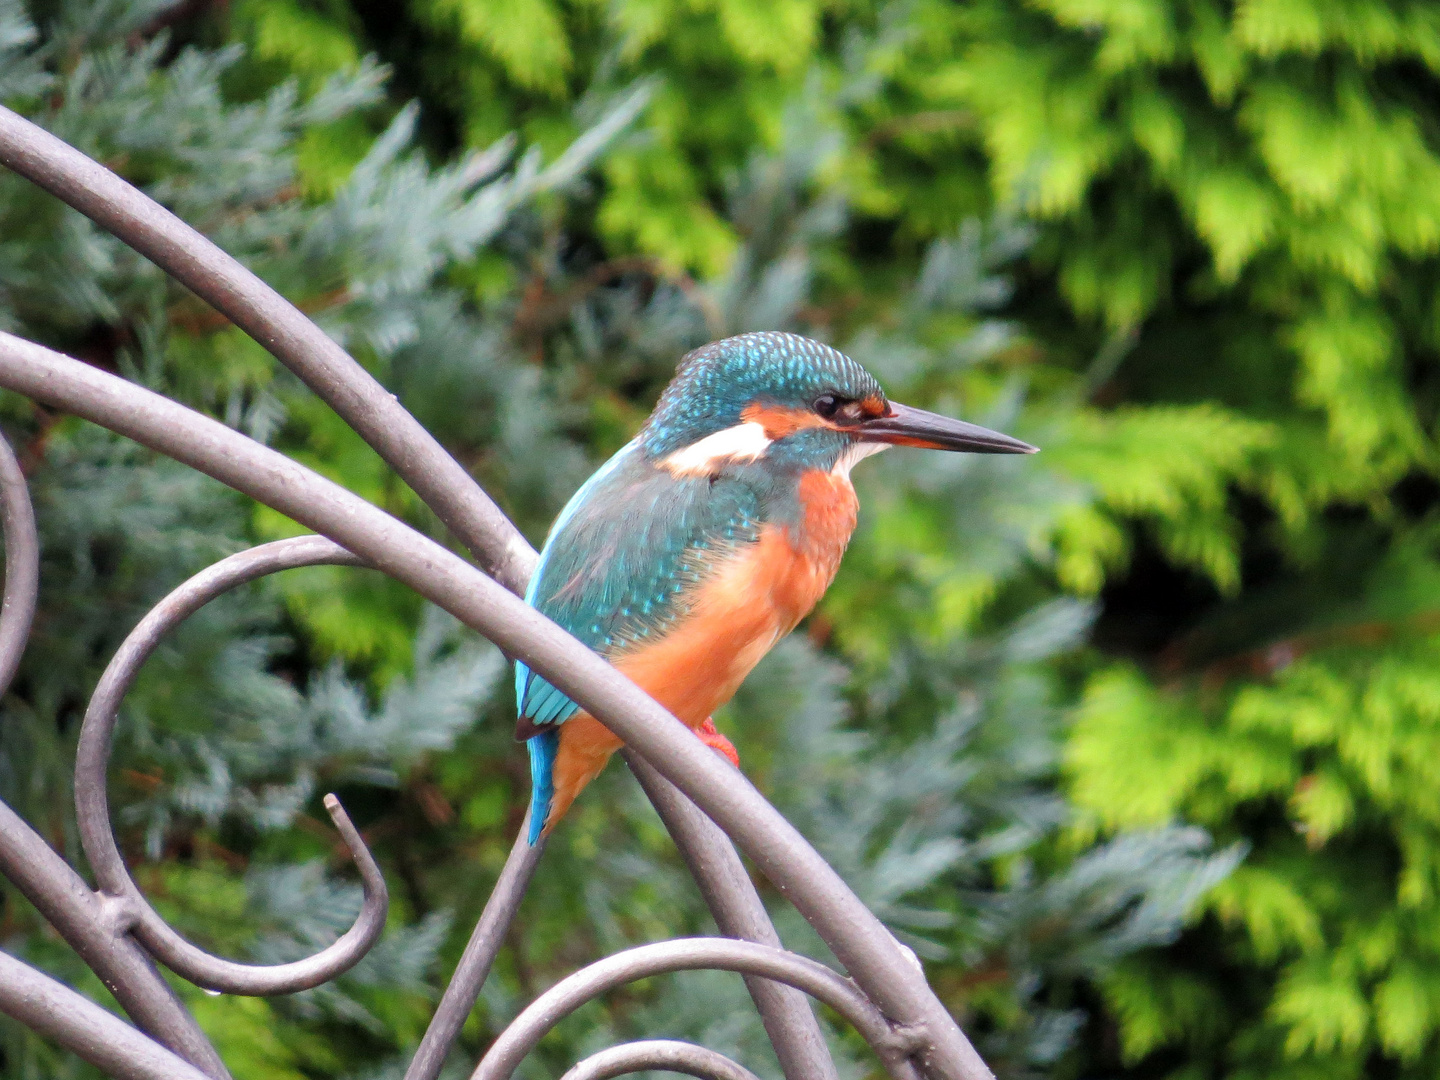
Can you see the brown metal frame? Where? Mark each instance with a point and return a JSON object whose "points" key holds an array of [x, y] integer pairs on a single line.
{"points": [[699, 797]]}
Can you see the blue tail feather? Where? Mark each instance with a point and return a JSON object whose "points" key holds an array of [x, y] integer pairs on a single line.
{"points": [[547, 704], [543, 748]]}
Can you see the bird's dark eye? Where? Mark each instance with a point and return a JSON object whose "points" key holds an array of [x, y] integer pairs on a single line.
{"points": [[826, 404]]}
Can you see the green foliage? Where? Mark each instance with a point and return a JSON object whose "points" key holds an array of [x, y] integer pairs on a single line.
{"points": [[1283, 149], [1250, 190], [919, 750], [1335, 753], [1189, 248]]}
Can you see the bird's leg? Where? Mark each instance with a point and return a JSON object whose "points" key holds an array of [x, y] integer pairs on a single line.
{"points": [[713, 739]]}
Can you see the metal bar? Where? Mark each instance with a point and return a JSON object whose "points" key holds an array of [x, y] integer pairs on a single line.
{"points": [[666, 1054], [96, 930], [92, 803], [739, 913], [337, 379], [689, 954], [22, 564], [83, 919], [84, 1028], [858, 939], [480, 952], [280, 327]]}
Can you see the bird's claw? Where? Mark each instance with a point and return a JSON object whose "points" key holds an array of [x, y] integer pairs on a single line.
{"points": [[713, 739]]}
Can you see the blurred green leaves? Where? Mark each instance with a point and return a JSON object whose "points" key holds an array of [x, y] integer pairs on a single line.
{"points": [[1205, 284]]}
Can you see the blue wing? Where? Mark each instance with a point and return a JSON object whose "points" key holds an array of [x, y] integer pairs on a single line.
{"points": [[620, 568], [533, 695]]}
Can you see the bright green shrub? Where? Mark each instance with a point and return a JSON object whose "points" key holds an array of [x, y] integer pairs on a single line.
{"points": [[1227, 331], [1253, 192], [476, 290]]}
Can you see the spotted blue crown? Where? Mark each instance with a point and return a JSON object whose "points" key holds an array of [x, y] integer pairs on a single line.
{"points": [[714, 384]]}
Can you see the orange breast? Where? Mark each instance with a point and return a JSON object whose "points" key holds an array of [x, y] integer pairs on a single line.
{"points": [[755, 600]]}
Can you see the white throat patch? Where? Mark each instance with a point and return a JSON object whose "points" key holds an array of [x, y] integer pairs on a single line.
{"points": [[856, 452], [743, 442]]}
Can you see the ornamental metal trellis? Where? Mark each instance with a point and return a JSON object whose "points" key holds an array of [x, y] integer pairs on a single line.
{"points": [[702, 801]]}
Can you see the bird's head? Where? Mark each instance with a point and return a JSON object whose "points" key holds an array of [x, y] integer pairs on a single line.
{"points": [[783, 398]]}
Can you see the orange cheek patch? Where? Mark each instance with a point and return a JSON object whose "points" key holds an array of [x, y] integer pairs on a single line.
{"points": [[779, 421]]}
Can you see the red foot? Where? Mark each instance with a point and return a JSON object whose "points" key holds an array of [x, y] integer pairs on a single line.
{"points": [[713, 739]]}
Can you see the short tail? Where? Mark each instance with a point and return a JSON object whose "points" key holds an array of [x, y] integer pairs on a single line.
{"points": [[543, 748]]}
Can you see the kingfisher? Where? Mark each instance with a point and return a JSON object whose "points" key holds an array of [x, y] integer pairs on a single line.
{"points": [[708, 537]]}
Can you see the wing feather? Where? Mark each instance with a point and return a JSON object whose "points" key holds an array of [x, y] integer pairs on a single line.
{"points": [[623, 560]]}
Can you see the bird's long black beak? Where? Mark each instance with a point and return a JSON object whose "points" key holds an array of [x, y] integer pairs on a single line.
{"points": [[906, 426]]}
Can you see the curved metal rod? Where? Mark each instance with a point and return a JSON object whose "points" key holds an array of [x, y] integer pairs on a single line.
{"points": [[669, 1055], [859, 940], [79, 915], [279, 327], [739, 913], [415, 455], [400, 440], [92, 803], [22, 564], [87, 923], [480, 952], [687, 954], [84, 1028]]}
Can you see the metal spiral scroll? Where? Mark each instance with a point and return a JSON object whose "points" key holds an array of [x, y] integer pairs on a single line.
{"points": [[92, 804], [118, 933]]}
